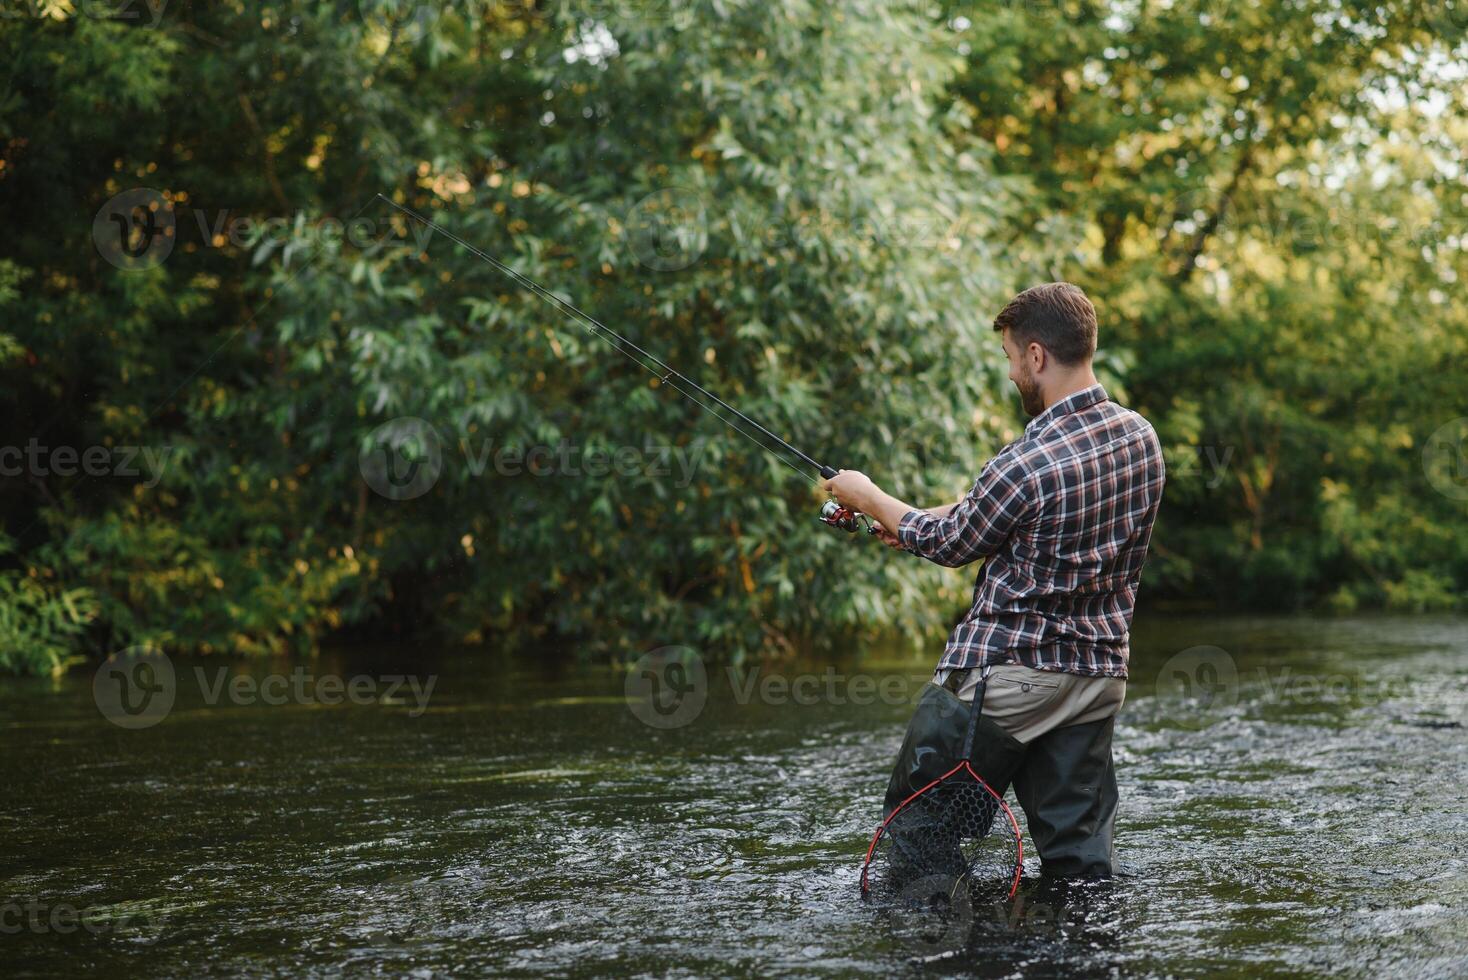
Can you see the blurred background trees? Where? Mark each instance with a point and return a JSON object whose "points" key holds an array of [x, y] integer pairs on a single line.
{"points": [[813, 208], [1269, 209]]}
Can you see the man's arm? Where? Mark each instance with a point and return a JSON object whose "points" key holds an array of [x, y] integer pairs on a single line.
{"points": [[953, 535], [888, 536], [855, 490]]}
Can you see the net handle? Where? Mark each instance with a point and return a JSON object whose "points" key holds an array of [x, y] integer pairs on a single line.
{"points": [[974, 713]]}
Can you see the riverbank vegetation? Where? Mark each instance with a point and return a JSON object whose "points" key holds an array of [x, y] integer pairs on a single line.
{"points": [[223, 358]]}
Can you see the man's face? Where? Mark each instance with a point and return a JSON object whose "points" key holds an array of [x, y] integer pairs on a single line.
{"points": [[1030, 397]]}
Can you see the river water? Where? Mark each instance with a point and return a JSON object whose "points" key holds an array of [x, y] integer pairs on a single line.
{"points": [[1292, 790]]}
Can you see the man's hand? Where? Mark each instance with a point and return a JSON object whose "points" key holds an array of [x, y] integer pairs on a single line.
{"points": [[886, 537], [853, 489]]}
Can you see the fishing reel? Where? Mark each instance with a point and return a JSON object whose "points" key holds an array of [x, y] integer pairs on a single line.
{"points": [[845, 518]]}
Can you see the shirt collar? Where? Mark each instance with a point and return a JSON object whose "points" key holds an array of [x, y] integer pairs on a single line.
{"points": [[1084, 398]]}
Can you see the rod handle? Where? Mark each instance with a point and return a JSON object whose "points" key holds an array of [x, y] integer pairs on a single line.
{"points": [[827, 472]]}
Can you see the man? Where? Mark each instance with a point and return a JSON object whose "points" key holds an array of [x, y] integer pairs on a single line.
{"points": [[1061, 517]]}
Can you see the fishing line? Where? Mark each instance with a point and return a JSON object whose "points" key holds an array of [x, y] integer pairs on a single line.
{"points": [[621, 344]]}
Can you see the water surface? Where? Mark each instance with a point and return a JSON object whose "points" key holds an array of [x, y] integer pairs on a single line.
{"points": [[1293, 803]]}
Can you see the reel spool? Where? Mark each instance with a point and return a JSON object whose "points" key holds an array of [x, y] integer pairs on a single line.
{"points": [[845, 518], [850, 520]]}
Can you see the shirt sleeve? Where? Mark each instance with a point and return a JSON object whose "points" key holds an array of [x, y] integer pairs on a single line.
{"points": [[980, 523]]}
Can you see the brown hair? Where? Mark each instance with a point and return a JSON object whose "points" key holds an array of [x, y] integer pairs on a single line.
{"points": [[1055, 315]]}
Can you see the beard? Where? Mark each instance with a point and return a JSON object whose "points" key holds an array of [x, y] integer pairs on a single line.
{"points": [[1029, 395]]}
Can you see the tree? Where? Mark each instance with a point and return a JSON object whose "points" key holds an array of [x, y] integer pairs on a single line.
{"points": [[827, 273], [1262, 198]]}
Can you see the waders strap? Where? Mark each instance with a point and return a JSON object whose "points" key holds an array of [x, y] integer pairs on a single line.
{"points": [[974, 712]]}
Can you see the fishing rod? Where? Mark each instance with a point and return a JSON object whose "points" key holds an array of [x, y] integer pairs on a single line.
{"points": [[832, 513]]}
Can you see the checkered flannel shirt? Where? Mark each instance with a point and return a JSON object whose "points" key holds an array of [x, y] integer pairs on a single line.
{"points": [[1062, 517]]}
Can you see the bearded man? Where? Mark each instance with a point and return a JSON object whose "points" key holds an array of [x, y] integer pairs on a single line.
{"points": [[1061, 518]]}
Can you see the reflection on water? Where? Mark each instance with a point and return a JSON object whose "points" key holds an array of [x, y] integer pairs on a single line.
{"points": [[1292, 802]]}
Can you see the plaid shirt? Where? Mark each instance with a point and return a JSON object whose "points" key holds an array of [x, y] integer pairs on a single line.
{"points": [[1063, 516]]}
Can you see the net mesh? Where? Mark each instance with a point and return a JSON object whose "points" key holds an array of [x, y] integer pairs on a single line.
{"points": [[955, 835]]}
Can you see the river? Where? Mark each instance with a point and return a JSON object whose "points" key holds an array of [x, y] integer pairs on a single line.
{"points": [[1292, 803]]}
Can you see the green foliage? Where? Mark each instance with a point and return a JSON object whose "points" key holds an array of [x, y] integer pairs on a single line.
{"points": [[845, 250], [1267, 205], [40, 623], [40, 626], [812, 208]]}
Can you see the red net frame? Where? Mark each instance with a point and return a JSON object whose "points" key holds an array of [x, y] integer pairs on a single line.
{"points": [[951, 825]]}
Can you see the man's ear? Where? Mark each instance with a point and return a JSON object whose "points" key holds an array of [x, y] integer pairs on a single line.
{"points": [[1036, 354]]}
